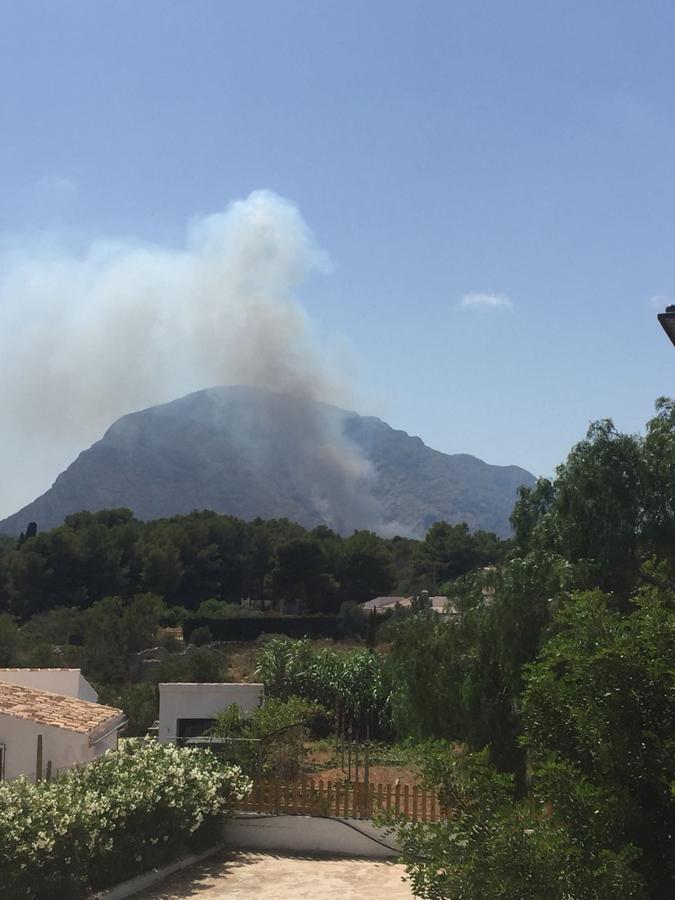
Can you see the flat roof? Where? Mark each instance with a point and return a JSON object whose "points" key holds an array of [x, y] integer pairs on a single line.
{"points": [[38, 669], [56, 710], [200, 685]]}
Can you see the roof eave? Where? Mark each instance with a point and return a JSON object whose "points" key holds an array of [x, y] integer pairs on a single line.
{"points": [[105, 729]]}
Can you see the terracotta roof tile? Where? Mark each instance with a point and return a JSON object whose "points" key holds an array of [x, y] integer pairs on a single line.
{"points": [[55, 710]]}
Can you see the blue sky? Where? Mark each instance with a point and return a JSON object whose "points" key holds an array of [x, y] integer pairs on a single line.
{"points": [[520, 150]]}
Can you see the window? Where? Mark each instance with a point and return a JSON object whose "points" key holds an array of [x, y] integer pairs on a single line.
{"points": [[191, 728]]}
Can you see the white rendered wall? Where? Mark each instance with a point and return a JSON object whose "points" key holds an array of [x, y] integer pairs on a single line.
{"points": [[309, 835], [69, 682], [202, 701], [64, 748]]}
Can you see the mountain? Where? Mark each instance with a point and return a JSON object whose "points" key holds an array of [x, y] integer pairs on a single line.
{"points": [[249, 452]]}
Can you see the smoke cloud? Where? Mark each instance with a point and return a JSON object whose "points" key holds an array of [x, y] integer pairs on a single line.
{"points": [[85, 339]]}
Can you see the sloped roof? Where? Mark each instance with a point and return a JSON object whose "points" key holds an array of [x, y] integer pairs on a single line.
{"points": [[379, 602], [56, 710]]}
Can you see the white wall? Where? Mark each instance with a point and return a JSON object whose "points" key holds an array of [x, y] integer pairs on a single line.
{"points": [[64, 748], [202, 701], [69, 682], [310, 835]]}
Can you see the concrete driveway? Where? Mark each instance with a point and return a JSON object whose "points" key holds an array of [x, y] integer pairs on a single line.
{"points": [[278, 877]]}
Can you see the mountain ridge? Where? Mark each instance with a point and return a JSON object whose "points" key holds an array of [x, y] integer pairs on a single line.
{"points": [[250, 452]]}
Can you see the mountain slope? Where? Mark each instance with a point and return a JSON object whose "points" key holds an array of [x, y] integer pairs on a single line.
{"points": [[249, 452]]}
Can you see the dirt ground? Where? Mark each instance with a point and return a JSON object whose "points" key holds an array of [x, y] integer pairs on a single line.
{"points": [[269, 876], [378, 775], [320, 760]]}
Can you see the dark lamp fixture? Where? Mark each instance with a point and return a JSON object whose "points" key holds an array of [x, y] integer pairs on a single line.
{"points": [[667, 320]]}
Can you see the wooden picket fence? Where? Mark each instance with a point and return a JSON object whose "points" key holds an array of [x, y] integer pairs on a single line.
{"points": [[342, 800]]}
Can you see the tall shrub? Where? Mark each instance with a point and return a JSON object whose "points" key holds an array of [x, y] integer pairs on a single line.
{"points": [[95, 826]]}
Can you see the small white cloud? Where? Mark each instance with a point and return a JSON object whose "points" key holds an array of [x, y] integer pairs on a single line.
{"points": [[486, 301]]}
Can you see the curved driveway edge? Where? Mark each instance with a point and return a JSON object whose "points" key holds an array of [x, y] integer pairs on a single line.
{"points": [[266, 876]]}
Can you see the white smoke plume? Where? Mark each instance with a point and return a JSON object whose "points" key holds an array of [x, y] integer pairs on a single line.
{"points": [[85, 339]]}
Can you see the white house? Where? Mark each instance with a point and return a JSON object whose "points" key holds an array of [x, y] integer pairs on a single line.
{"points": [[188, 710], [42, 732], [388, 604], [70, 682]]}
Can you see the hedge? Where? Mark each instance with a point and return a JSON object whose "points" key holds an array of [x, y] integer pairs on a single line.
{"points": [[129, 811], [249, 628]]}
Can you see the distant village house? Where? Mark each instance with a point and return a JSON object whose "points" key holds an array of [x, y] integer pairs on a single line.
{"points": [[380, 605]]}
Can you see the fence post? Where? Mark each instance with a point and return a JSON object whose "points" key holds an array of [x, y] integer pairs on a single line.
{"points": [[366, 775], [38, 760]]}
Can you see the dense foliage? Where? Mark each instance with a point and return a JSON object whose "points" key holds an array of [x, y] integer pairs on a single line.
{"points": [[204, 557], [272, 739], [558, 843], [93, 827], [350, 684], [558, 664], [250, 628], [93, 592]]}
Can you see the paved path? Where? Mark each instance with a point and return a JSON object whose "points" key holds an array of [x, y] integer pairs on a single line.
{"points": [[236, 874]]}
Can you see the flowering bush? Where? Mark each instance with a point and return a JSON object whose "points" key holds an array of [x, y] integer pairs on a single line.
{"points": [[92, 827]]}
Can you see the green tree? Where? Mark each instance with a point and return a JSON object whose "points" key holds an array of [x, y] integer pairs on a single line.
{"points": [[529, 512], [277, 731], [162, 569], [301, 573], [366, 568], [450, 551], [9, 640], [659, 474], [114, 630], [602, 699], [201, 665], [494, 845], [140, 703]]}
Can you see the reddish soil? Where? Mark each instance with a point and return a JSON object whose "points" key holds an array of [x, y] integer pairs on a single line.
{"points": [[378, 774]]}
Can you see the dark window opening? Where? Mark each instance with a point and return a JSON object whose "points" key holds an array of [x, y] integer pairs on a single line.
{"points": [[192, 728]]}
